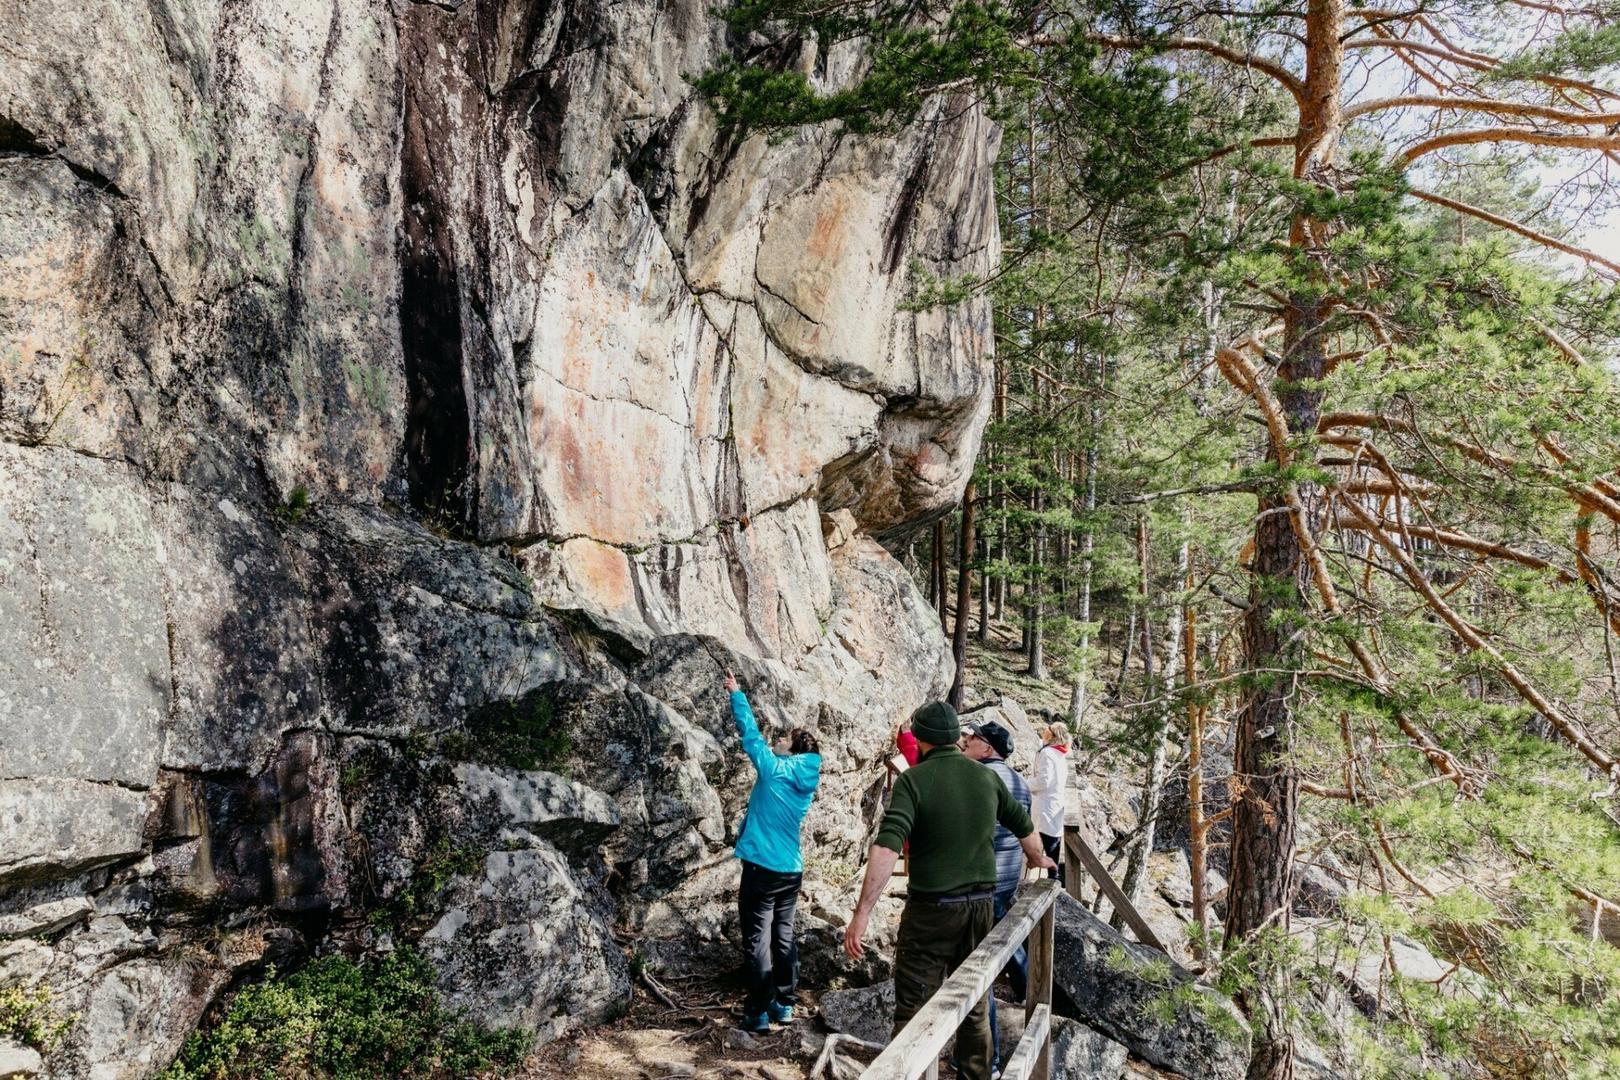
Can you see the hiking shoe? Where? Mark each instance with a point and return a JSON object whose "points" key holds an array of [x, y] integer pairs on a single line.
{"points": [[756, 1025], [782, 1014]]}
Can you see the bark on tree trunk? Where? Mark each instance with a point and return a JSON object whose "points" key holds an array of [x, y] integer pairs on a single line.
{"points": [[1125, 655], [1267, 788], [1077, 696], [964, 589], [1197, 829], [1274, 638], [940, 587], [984, 594], [998, 413], [1036, 608]]}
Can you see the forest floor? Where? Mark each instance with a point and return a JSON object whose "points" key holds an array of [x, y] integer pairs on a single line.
{"points": [[653, 1042], [999, 667], [699, 1038]]}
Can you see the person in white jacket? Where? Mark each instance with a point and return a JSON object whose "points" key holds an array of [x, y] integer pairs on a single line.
{"points": [[1048, 787]]}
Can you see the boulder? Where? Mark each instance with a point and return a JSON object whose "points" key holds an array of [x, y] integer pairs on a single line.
{"points": [[1079, 1053], [131, 1000], [823, 962], [1323, 883], [1140, 998], [866, 1012], [526, 911], [1366, 963]]}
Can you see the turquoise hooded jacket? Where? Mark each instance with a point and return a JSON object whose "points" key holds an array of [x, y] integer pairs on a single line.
{"points": [[781, 796]]}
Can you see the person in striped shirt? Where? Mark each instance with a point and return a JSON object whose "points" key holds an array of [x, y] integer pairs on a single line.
{"points": [[991, 745]]}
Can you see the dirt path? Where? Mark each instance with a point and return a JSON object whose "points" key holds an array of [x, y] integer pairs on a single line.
{"points": [[653, 1042]]}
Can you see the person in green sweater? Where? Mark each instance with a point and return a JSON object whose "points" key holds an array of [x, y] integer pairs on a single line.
{"points": [[948, 807]]}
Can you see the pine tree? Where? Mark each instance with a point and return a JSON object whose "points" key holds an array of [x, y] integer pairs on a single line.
{"points": [[1267, 305]]}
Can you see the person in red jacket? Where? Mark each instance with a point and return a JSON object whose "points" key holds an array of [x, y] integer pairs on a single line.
{"points": [[907, 744]]}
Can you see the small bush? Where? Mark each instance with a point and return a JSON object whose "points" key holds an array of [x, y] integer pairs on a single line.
{"points": [[442, 862], [345, 1021], [419, 898], [297, 505], [27, 1016]]}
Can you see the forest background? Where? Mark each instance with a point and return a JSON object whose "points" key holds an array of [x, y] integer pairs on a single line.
{"points": [[1300, 487]]}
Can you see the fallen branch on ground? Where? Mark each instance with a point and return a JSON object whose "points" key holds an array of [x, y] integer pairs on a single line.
{"points": [[828, 1057], [657, 991]]}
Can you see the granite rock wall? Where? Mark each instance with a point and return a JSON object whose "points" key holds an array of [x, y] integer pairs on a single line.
{"points": [[407, 411]]}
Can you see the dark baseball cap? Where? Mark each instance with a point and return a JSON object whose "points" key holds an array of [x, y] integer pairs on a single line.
{"points": [[999, 738]]}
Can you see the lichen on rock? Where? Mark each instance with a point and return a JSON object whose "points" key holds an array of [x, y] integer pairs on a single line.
{"points": [[370, 373]]}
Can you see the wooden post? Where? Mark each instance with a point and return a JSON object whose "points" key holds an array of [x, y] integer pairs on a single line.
{"points": [[1037, 1037], [1074, 874], [1042, 947]]}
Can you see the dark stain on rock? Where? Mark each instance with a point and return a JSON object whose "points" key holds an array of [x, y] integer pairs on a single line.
{"points": [[905, 211], [438, 428], [263, 834]]}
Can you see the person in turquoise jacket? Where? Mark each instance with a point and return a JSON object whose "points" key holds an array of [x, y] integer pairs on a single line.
{"points": [[772, 865]]}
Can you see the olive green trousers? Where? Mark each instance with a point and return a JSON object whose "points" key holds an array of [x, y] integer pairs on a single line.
{"points": [[934, 940]]}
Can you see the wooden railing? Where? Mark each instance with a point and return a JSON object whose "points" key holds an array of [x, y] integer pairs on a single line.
{"points": [[915, 1051], [1078, 853]]}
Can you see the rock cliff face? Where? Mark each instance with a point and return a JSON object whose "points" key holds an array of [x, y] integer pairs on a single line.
{"points": [[406, 412]]}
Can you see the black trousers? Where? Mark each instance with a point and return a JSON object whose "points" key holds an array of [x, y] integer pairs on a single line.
{"points": [[765, 907], [1053, 846]]}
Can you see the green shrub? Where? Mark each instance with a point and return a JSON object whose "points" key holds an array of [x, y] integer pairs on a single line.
{"points": [[297, 505], [27, 1016], [344, 1021], [420, 895]]}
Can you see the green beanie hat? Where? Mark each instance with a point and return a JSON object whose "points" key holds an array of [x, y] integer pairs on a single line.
{"points": [[936, 723]]}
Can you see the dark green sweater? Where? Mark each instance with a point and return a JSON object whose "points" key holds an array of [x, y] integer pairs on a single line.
{"points": [[948, 806]]}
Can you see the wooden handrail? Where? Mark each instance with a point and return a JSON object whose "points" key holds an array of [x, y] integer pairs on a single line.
{"points": [[915, 1051], [1076, 850]]}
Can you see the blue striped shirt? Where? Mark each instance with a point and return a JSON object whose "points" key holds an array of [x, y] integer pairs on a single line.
{"points": [[1009, 854]]}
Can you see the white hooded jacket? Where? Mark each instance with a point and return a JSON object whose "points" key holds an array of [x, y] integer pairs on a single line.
{"points": [[1047, 790]]}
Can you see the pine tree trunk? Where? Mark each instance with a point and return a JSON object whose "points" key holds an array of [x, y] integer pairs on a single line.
{"points": [[1036, 607], [964, 589], [1125, 655], [1197, 828], [1264, 815], [1158, 760], [939, 586], [1036, 610], [1077, 695], [1000, 413], [984, 594]]}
